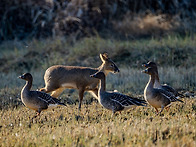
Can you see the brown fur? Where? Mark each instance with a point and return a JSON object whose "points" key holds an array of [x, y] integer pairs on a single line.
{"points": [[59, 77]]}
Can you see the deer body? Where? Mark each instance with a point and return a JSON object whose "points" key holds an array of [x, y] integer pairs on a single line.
{"points": [[59, 77]]}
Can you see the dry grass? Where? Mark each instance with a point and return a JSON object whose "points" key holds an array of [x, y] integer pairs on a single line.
{"points": [[94, 126]]}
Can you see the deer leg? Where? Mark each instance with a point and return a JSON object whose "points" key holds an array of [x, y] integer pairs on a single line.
{"points": [[95, 93], [45, 90], [57, 92], [48, 88], [81, 94]]}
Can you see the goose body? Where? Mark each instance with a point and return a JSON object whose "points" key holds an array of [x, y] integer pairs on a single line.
{"points": [[157, 83], [156, 97], [115, 101], [36, 100]]}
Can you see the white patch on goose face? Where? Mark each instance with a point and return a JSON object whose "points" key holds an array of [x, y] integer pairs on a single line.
{"points": [[69, 85]]}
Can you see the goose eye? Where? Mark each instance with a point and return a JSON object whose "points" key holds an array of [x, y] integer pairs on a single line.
{"points": [[112, 65]]}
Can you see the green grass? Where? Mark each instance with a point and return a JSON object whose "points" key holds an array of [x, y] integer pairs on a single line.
{"points": [[32, 55], [95, 126]]}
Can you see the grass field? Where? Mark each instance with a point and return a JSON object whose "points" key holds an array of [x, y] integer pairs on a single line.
{"points": [[95, 126]]}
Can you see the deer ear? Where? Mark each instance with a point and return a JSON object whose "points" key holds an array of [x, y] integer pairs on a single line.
{"points": [[104, 57]]}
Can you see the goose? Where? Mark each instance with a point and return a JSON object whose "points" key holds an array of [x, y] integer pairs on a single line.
{"points": [[156, 97], [114, 101], [157, 81], [36, 100]]}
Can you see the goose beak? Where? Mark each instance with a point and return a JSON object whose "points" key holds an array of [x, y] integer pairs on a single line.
{"points": [[145, 65], [21, 77], [92, 76]]}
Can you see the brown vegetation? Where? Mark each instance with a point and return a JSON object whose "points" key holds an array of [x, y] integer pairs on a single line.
{"points": [[77, 18]]}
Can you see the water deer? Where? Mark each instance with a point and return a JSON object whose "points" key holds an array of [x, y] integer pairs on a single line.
{"points": [[59, 77]]}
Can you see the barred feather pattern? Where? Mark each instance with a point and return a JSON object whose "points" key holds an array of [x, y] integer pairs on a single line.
{"points": [[47, 98], [169, 95], [172, 90], [126, 101]]}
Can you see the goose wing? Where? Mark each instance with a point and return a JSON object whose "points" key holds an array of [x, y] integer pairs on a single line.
{"points": [[168, 95], [172, 90], [168, 88], [126, 100], [46, 98]]}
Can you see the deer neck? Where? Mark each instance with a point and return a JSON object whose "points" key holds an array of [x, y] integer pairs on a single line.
{"points": [[102, 68]]}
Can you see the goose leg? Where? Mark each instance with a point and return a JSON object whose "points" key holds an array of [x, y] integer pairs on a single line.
{"points": [[161, 110], [37, 114], [113, 113], [156, 110], [34, 117], [167, 108]]}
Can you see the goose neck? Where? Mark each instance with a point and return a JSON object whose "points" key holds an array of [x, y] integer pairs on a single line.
{"points": [[151, 82], [102, 86], [27, 86]]}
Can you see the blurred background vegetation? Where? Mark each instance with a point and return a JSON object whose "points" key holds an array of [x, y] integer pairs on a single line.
{"points": [[27, 19], [36, 34]]}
